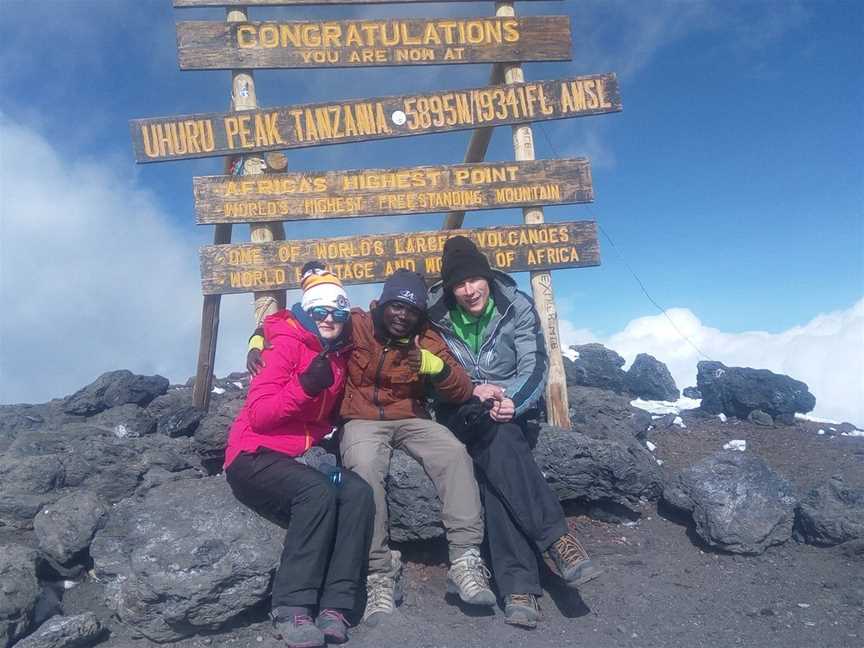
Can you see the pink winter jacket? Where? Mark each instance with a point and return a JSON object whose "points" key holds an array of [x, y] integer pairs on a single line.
{"points": [[278, 414]]}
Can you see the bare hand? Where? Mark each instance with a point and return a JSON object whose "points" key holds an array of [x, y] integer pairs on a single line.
{"points": [[486, 391], [503, 411], [414, 359], [255, 360]]}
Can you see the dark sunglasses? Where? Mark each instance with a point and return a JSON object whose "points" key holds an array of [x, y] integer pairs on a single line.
{"points": [[320, 313]]}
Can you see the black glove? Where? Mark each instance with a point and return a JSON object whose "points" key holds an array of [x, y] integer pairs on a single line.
{"points": [[318, 375], [469, 415]]}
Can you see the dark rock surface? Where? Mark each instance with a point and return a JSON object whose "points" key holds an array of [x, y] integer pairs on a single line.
{"points": [[608, 470], [692, 392], [19, 591], [758, 417], [737, 391], [127, 420], [648, 378], [115, 388], [737, 502], [185, 558], [831, 514], [65, 528], [415, 510], [77, 631], [211, 434], [596, 366]]}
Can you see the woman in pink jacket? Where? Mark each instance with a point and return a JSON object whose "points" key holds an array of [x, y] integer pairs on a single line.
{"points": [[328, 512]]}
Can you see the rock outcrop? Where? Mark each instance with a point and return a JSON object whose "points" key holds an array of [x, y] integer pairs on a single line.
{"points": [[596, 366], [186, 557], [737, 391], [19, 591], [737, 502], [830, 514], [648, 378]]}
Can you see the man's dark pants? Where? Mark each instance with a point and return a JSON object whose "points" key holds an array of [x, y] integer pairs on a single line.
{"points": [[329, 528], [523, 515]]}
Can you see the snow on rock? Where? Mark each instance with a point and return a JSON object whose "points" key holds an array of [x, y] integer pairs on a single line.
{"points": [[218, 390], [736, 444], [821, 432], [722, 417], [666, 407], [679, 422], [651, 447]]}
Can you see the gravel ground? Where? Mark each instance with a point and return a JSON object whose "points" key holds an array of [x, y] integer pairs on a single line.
{"points": [[659, 588]]}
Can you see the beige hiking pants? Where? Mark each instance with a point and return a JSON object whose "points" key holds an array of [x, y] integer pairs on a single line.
{"points": [[366, 448]]}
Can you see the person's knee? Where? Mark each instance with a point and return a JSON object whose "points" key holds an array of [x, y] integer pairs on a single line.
{"points": [[318, 493], [366, 458], [508, 437]]}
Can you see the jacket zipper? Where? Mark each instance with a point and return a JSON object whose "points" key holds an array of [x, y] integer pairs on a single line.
{"points": [[377, 379]]}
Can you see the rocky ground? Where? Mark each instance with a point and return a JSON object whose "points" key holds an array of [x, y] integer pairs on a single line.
{"points": [[117, 529], [661, 586]]}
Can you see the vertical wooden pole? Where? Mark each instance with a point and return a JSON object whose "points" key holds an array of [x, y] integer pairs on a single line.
{"points": [[243, 97], [557, 406]]}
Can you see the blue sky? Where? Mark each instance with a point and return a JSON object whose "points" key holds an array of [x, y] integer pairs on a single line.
{"points": [[732, 182]]}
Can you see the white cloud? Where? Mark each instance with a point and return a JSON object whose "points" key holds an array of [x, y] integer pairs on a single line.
{"points": [[93, 276], [827, 352]]}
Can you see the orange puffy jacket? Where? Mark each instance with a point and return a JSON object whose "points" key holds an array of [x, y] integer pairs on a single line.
{"points": [[381, 387]]}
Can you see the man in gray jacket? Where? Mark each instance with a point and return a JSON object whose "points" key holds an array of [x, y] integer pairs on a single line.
{"points": [[493, 329]]}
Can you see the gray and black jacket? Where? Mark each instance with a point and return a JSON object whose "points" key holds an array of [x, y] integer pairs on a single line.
{"points": [[513, 352]]}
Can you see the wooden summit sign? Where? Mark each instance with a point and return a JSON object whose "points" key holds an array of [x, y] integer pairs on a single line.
{"points": [[161, 139], [385, 192], [208, 45], [371, 259], [275, 3]]}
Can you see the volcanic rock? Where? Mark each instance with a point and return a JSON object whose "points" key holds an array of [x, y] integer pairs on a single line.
{"points": [[648, 378], [65, 528], [758, 417], [77, 631], [737, 502], [692, 392], [115, 388], [19, 591], [415, 510], [127, 420], [596, 366], [831, 514], [737, 391], [185, 558]]}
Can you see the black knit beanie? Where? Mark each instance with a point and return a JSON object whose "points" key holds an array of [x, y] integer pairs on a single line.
{"points": [[405, 286], [462, 260]]}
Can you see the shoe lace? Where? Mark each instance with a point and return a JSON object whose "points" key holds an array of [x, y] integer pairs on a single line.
{"points": [[470, 573], [379, 592], [334, 615], [569, 549], [523, 599]]}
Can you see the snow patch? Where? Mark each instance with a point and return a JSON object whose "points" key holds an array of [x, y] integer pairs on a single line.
{"points": [[218, 390], [651, 447], [853, 433], [736, 444], [679, 422], [722, 417], [667, 407], [821, 432]]}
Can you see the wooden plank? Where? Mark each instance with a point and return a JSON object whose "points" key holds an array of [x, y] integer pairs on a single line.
{"points": [[209, 45], [372, 258], [161, 139], [388, 192], [276, 3]]}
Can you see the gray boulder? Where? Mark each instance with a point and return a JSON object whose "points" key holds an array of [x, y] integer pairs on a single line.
{"points": [[185, 558], [127, 420], [831, 514], [692, 392], [415, 510], [174, 413], [737, 502], [596, 366], [42, 465], [19, 591], [77, 631], [615, 469], [65, 528], [115, 388], [758, 417], [650, 379], [737, 391]]}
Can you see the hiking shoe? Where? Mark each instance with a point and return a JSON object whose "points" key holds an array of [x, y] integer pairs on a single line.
{"points": [[333, 625], [298, 631], [469, 578], [521, 610], [379, 598], [570, 561]]}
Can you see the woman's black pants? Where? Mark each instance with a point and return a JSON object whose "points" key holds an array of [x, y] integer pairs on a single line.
{"points": [[329, 528]]}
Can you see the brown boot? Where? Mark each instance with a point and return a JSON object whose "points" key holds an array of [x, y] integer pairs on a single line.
{"points": [[568, 559]]}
